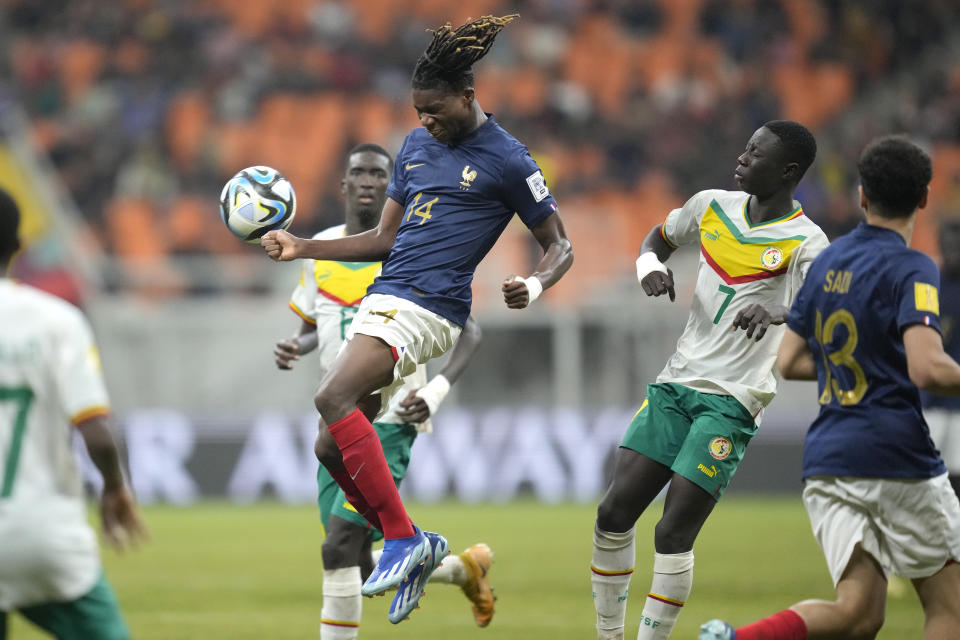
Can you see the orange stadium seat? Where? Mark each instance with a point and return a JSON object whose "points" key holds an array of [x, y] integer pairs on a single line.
{"points": [[250, 17], [371, 119], [189, 222], [132, 229], [140, 245], [680, 16], [811, 94], [492, 88], [806, 22], [438, 12], [528, 91], [187, 123], [233, 141], [376, 18]]}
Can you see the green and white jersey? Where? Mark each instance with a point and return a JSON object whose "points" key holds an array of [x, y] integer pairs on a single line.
{"points": [[328, 295], [50, 379], [740, 265]]}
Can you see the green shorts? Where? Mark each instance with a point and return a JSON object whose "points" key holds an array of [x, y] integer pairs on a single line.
{"points": [[396, 440], [94, 615], [701, 436]]}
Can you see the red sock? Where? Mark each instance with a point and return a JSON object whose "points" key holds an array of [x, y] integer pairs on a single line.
{"points": [[363, 457], [355, 498], [786, 625]]}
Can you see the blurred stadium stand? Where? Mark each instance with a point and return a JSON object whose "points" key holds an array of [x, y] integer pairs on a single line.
{"points": [[122, 120]]}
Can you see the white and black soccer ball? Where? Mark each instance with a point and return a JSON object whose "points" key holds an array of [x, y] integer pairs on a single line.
{"points": [[257, 200]]}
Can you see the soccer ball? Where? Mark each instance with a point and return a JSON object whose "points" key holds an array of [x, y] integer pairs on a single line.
{"points": [[257, 200]]}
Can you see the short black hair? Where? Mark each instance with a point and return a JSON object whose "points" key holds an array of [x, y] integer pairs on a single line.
{"points": [[798, 143], [372, 148], [9, 226], [894, 174], [447, 63]]}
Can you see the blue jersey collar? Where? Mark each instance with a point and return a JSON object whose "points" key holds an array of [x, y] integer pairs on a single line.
{"points": [[881, 233]]}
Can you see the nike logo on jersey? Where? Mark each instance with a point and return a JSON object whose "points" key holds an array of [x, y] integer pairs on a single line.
{"points": [[353, 476], [413, 166]]}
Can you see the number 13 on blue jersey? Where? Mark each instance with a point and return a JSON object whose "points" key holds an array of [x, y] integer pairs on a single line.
{"points": [[842, 357]]}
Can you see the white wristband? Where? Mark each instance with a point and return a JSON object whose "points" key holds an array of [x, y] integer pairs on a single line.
{"points": [[533, 284], [647, 263], [434, 392]]}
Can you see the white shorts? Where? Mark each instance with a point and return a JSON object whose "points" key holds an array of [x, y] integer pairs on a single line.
{"points": [[945, 432], [415, 334], [911, 527]]}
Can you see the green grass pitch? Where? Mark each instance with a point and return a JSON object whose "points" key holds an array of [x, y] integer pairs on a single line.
{"points": [[222, 571]]}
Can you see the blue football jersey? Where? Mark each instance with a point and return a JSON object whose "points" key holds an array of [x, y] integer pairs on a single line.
{"points": [[457, 200], [860, 295], [949, 319]]}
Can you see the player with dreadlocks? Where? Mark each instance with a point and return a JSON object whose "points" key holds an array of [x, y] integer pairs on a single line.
{"points": [[456, 184]]}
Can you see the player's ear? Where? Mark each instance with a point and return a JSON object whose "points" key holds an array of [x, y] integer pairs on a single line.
{"points": [[923, 200], [791, 172], [343, 186], [469, 94], [863, 199]]}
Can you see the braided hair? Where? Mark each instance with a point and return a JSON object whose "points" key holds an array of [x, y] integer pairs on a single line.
{"points": [[447, 63]]}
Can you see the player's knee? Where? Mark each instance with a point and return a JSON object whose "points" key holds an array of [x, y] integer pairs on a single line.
{"points": [[336, 553], [863, 616], [331, 404], [866, 628], [327, 451], [668, 538], [610, 518]]}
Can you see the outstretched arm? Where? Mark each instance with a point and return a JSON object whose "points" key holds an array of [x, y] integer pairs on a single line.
{"points": [[118, 510], [421, 403], [655, 278], [556, 261], [794, 360], [929, 366], [370, 245]]}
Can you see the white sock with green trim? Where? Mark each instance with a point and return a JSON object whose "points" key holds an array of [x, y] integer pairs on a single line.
{"points": [[614, 555], [342, 604], [672, 581]]}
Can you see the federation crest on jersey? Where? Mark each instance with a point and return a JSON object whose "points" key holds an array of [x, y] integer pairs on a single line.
{"points": [[720, 447], [771, 258], [468, 175]]}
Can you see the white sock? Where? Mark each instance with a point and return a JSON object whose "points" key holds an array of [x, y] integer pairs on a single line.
{"points": [[450, 571], [614, 555], [672, 580], [342, 604]]}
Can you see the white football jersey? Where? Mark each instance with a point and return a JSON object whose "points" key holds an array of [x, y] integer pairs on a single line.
{"points": [[50, 379], [740, 264], [328, 295]]}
